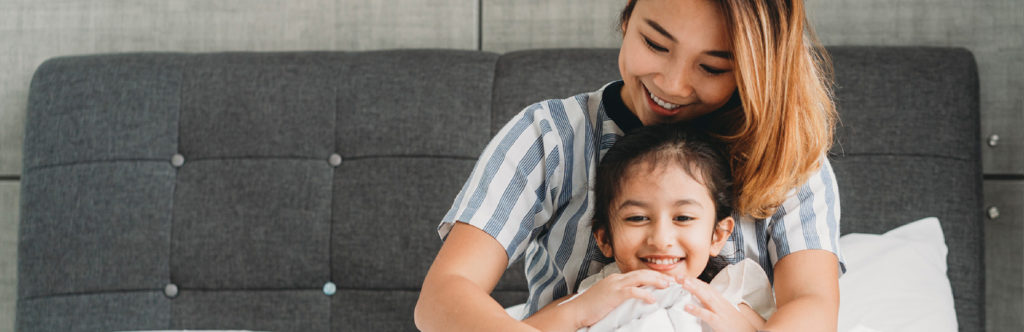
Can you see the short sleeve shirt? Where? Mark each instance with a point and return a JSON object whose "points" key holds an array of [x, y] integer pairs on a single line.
{"points": [[531, 189]]}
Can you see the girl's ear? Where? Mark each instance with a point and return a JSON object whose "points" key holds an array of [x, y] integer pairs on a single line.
{"points": [[603, 242], [720, 234]]}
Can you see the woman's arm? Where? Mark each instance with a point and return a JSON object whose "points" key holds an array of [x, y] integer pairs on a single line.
{"points": [[455, 294], [456, 291], [806, 292]]}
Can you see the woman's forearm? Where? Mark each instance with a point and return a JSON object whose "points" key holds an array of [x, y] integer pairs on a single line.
{"points": [[807, 313], [456, 291], [807, 292], [554, 317], [453, 303]]}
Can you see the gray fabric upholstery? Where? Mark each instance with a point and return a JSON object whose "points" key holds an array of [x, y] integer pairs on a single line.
{"points": [[908, 147], [257, 219]]}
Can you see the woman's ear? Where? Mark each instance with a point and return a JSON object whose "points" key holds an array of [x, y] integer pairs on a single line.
{"points": [[720, 234], [604, 242]]}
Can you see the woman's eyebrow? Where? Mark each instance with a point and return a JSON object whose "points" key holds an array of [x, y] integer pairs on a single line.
{"points": [[661, 30], [721, 54], [657, 27]]}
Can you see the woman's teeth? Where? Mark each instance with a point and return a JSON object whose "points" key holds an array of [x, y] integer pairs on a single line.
{"points": [[662, 261], [663, 103]]}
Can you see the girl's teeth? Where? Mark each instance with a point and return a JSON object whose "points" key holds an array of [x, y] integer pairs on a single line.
{"points": [[663, 103], [665, 261]]}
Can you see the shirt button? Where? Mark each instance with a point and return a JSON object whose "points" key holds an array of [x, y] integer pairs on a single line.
{"points": [[334, 160], [177, 160], [330, 288], [171, 290]]}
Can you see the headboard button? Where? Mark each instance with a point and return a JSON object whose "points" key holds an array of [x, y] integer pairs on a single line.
{"points": [[171, 290]]}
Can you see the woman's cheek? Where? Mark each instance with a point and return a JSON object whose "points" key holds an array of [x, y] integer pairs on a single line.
{"points": [[715, 93]]}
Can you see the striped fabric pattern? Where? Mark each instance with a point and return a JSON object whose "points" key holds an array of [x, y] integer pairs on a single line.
{"points": [[531, 190]]}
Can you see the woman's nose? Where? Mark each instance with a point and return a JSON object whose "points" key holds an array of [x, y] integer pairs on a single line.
{"points": [[677, 81]]}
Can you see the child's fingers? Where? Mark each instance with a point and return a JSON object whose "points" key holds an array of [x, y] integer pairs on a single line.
{"points": [[640, 293], [640, 278], [703, 314], [715, 310], [707, 295]]}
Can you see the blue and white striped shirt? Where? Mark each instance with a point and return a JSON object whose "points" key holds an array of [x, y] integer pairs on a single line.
{"points": [[531, 190]]}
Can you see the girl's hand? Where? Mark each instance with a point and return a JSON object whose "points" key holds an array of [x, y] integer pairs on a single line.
{"points": [[610, 292], [717, 312]]}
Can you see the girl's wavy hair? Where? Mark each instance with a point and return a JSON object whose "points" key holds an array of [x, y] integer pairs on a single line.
{"points": [[780, 123], [697, 153]]}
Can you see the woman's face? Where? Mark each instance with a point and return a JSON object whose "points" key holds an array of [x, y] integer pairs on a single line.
{"points": [[676, 60], [662, 219]]}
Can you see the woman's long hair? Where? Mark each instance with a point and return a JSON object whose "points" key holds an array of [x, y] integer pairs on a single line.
{"points": [[782, 124]]}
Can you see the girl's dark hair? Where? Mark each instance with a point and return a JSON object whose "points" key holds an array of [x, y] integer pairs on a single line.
{"points": [[697, 153]]}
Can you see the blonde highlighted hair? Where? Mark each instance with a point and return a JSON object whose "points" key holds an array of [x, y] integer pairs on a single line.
{"points": [[783, 124]]}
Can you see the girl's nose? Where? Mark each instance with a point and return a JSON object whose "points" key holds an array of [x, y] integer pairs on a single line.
{"points": [[660, 235]]}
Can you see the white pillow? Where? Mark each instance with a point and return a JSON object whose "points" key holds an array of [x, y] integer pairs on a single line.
{"points": [[896, 281]]}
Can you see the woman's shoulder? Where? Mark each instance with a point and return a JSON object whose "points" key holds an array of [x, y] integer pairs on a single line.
{"points": [[571, 109], [821, 182]]}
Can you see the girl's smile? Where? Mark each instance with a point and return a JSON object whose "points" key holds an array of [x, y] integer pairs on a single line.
{"points": [[662, 263]]}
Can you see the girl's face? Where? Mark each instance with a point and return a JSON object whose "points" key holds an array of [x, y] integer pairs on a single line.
{"points": [[676, 60], [664, 220]]}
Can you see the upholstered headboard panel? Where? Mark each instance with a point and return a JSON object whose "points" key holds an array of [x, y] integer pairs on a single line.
{"points": [[238, 190]]}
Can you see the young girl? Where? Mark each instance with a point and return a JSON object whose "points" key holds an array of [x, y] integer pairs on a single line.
{"points": [[749, 71], [663, 203]]}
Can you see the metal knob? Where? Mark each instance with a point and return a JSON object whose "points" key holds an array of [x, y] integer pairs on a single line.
{"points": [[993, 213], [993, 140]]}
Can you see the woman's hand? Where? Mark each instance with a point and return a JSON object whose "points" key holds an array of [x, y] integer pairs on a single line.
{"points": [[608, 293], [717, 312]]}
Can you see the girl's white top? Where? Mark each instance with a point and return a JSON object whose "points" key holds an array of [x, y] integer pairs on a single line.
{"points": [[743, 282]]}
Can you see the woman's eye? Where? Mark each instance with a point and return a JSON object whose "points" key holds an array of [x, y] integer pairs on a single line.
{"points": [[654, 46], [713, 70]]}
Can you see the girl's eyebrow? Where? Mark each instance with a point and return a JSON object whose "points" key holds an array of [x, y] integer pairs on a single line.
{"points": [[657, 27], [681, 202], [630, 202]]}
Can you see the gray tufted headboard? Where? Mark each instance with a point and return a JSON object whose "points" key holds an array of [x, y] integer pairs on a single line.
{"points": [[238, 190]]}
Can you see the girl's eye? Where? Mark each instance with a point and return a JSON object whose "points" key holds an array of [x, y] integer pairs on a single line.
{"points": [[636, 218], [682, 218], [653, 46], [713, 70]]}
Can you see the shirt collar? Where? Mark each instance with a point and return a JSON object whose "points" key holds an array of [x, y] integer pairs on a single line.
{"points": [[617, 110]]}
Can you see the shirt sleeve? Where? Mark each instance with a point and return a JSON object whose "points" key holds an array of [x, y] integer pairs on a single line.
{"points": [[808, 218], [507, 194]]}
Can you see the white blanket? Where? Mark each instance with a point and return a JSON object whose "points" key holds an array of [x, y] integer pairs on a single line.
{"points": [[744, 282]]}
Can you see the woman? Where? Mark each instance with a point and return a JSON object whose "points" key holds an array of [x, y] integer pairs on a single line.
{"points": [[748, 70]]}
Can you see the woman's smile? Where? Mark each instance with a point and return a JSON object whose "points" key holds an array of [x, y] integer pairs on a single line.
{"points": [[661, 106]]}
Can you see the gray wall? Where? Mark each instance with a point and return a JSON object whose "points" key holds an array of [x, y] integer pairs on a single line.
{"points": [[32, 31]]}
